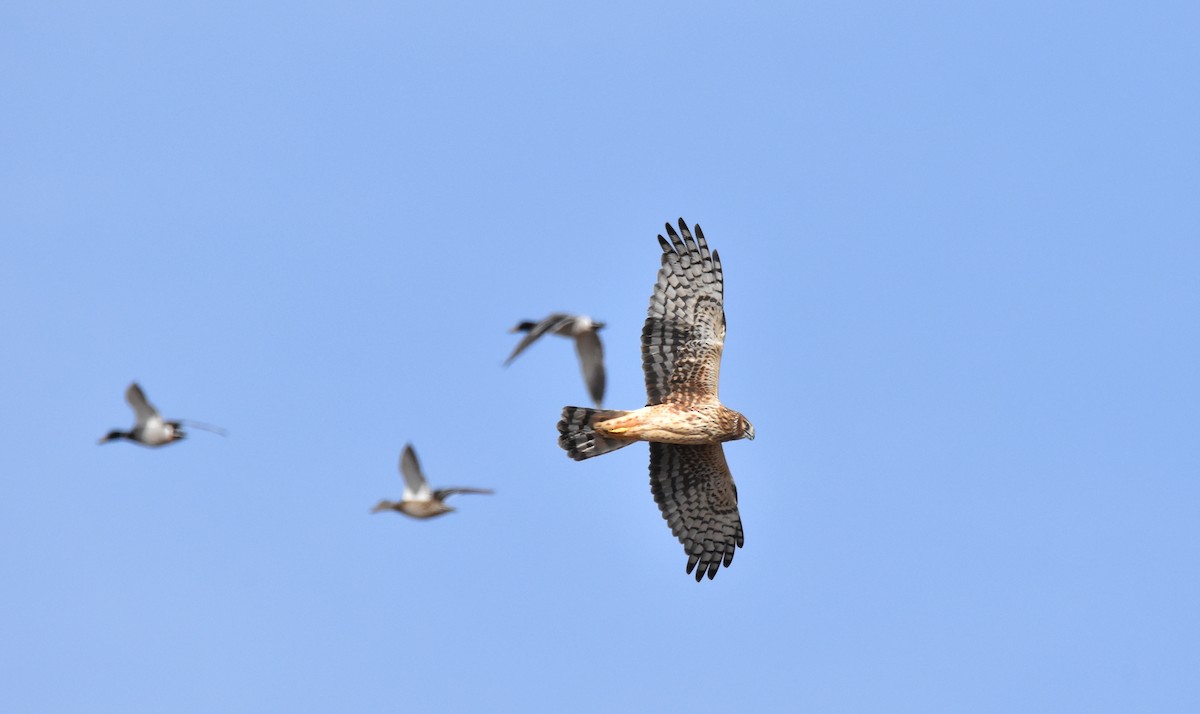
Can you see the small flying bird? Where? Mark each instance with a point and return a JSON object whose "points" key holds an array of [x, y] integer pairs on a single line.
{"points": [[683, 419], [419, 501], [150, 429], [584, 331]]}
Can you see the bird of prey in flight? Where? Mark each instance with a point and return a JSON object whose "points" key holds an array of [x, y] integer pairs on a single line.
{"points": [[683, 419], [419, 501], [584, 331], [150, 429]]}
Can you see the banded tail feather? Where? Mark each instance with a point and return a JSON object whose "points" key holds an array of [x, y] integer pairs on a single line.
{"points": [[578, 436]]}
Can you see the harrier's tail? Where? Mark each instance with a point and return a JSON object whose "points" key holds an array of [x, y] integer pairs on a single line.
{"points": [[577, 433]]}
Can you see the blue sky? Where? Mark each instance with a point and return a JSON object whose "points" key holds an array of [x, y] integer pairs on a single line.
{"points": [[961, 256]]}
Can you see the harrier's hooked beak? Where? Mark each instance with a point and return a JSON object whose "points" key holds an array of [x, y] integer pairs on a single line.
{"points": [[749, 431]]}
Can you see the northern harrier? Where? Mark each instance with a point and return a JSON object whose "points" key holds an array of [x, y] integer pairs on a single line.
{"points": [[419, 501], [149, 429], [683, 419], [584, 331]]}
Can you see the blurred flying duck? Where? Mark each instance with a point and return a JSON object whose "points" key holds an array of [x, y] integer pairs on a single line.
{"points": [[584, 331], [419, 501], [150, 429]]}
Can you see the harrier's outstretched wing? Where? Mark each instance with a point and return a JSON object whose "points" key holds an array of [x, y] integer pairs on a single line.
{"points": [[685, 325], [696, 494]]}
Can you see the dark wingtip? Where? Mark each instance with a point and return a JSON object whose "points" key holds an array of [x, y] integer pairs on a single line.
{"points": [[689, 241]]}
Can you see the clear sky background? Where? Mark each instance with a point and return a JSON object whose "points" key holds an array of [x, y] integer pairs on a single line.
{"points": [[961, 250]]}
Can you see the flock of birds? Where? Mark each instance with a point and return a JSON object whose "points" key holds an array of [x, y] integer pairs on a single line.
{"points": [[683, 421]]}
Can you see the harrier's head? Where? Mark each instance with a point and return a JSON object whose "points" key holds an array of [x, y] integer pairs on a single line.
{"points": [[743, 429]]}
